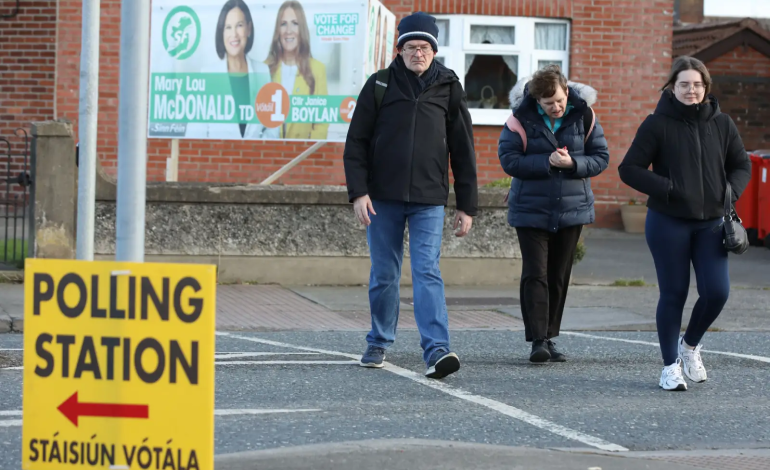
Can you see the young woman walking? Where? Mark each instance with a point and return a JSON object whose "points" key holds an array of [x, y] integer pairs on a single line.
{"points": [[694, 150]]}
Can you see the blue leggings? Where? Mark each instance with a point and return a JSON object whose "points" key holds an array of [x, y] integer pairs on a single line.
{"points": [[674, 244]]}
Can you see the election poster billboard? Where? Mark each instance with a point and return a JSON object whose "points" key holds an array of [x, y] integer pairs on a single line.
{"points": [[382, 30], [257, 70]]}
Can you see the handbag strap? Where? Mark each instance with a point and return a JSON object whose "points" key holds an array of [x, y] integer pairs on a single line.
{"points": [[728, 200]]}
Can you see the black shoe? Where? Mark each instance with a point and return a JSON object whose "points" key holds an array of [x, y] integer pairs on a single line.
{"points": [[556, 356], [442, 363], [540, 352]]}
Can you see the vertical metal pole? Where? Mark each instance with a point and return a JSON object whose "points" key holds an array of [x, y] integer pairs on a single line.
{"points": [[87, 129], [132, 129]]}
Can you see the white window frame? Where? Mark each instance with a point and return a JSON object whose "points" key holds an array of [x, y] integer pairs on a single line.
{"points": [[459, 45]]}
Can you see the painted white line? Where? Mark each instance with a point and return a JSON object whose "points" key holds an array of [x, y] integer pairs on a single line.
{"points": [[649, 343], [270, 363], [11, 349], [463, 395], [7, 423], [259, 412], [229, 355], [258, 363]]}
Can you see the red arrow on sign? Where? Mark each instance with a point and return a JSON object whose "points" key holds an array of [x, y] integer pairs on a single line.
{"points": [[72, 409]]}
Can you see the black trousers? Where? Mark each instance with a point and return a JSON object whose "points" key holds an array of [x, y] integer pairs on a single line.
{"points": [[547, 265]]}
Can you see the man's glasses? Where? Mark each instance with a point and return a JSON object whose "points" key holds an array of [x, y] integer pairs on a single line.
{"points": [[411, 50]]}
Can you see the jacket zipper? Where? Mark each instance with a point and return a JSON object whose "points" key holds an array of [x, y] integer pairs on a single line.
{"points": [[700, 161], [411, 154], [414, 123]]}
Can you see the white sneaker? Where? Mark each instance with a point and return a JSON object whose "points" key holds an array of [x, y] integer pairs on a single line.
{"points": [[671, 378], [692, 362]]}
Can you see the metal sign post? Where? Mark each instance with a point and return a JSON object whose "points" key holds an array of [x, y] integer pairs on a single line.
{"points": [[87, 129], [132, 129]]}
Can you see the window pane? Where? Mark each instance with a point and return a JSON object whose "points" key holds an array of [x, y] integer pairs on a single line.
{"points": [[551, 36], [543, 63], [489, 79], [443, 32], [493, 34]]}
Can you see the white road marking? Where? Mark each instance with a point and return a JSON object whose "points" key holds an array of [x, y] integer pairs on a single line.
{"points": [[260, 412], [463, 395], [228, 355], [11, 349], [650, 343], [246, 363], [268, 363], [7, 423]]}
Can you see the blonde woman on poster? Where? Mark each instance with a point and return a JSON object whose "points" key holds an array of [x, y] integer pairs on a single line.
{"points": [[292, 65], [234, 39]]}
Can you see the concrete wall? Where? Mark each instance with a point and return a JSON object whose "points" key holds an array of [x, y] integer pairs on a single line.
{"points": [[295, 234], [267, 234], [54, 190]]}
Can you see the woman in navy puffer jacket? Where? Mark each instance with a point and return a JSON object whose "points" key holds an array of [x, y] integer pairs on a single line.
{"points": [[543, 146]]}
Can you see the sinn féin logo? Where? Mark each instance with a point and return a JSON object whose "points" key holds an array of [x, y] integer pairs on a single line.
{"points": [[181, 32]]}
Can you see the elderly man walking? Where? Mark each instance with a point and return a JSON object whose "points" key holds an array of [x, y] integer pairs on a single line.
{"points": [[410, 124]]}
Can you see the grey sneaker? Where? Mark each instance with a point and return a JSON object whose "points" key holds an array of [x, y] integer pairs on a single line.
{"points": [[442, 363], [373, 357]]}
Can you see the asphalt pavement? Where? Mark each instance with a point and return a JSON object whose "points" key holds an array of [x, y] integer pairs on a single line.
{"points": [[606, 398], [613, 255], [290, 395]]}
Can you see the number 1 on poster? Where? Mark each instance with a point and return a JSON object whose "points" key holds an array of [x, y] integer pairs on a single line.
{"points": [[278, 116]]}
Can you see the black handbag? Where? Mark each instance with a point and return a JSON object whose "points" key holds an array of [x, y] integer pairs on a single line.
{"points": [[735, 238]]}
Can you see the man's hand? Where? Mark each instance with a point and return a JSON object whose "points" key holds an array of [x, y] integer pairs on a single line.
{"points": [[464, 222], [561, 159], [362, 206]]}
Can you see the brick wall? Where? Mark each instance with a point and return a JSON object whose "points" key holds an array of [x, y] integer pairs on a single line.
{"points": [[742, 86], [27, 76], [621, 47]]}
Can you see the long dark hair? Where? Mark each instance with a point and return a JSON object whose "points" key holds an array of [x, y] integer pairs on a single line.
{"points": [[220, 41], [684, 63], [303, 53]]}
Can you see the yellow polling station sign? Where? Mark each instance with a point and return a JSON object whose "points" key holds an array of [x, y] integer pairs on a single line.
{"points": [[118, 365]]}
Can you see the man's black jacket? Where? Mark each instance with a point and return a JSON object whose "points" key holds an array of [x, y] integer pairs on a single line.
{"points": [[402, 152]]}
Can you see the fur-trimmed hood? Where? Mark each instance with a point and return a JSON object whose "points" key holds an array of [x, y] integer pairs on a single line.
{"points": [[585, 92]]}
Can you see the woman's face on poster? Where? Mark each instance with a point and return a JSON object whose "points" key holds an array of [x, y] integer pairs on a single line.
{"points": [[236, 32], [289, 30]]}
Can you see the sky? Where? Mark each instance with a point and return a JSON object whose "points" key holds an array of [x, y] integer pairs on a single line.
{"points": [[737, 8]]}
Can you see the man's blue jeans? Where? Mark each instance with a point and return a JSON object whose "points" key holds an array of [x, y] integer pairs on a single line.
{"points": [[385, 236]]}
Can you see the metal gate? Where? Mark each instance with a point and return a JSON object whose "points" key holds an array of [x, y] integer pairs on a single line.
{"points": [[15, 207]]}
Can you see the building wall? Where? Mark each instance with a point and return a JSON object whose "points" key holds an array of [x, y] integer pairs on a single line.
{"points": [[691, 11], [742, 86], [621, 47], [27, 77]]}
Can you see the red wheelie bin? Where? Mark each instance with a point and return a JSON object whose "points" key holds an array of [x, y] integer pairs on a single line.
{"points": [[747, 205], [764, 200]]}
